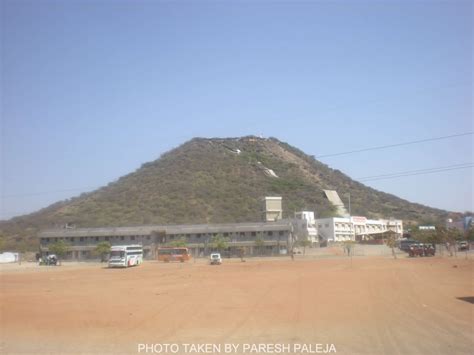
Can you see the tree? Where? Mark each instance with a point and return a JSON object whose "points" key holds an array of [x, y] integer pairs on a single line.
{"points": [[242, 254], [3, 243], [469, 234], [103, 249], [391, 241], [427, 236], [259, 243], [219, 242], [60, 248], [304, 242], [349, 247], [22, 248], [178, 243], [292, 243], [448, 236]]}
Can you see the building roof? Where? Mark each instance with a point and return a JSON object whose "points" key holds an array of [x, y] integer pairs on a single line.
{"points": [[168, 229]]}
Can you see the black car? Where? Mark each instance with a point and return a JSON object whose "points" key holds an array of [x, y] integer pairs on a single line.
{"points": [[405, 244]]}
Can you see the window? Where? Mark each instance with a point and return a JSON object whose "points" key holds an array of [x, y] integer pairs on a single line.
{"points": [[254, 234], [96, 239], [81, 239], [281, 233], [147, 237], [242, 234], [226, 234], [106, 238], [320, 225], [122, 237], [270, 233]]}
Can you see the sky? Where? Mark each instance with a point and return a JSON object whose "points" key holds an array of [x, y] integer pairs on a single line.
{"points": [[91, 90]]}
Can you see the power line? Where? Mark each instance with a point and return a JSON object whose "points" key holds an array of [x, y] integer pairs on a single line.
{"points": [[394, 145], [416, 172], [371, 178], [413, 171]]}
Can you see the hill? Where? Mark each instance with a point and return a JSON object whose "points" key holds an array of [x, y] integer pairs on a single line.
{"points": [[217, 181]]}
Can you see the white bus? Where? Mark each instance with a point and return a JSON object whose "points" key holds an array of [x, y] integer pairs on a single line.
{"points": [[125, 255]]}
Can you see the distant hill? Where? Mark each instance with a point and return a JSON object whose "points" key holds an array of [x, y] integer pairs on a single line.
{"points": [[216, 181]]}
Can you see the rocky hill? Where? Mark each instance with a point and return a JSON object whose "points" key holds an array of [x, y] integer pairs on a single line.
{"points": [[217, 181]]}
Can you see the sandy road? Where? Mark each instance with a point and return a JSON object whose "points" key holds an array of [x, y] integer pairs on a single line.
{"points": [[377, 306]]}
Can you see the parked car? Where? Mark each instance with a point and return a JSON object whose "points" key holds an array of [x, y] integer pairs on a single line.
{"points": [[464, 245], [49, 260], [416, 250], [429, 250], [215, 259], [406, 243]]}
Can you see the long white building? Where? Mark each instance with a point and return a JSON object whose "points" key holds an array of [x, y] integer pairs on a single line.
{"points": [[338, 229]]}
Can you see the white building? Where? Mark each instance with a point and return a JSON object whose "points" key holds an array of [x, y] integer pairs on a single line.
{"points": [[304, 226], [338, 229], [8, 257]]}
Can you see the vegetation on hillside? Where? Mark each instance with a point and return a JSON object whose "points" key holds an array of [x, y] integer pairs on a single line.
{"points": [[215, 181]]}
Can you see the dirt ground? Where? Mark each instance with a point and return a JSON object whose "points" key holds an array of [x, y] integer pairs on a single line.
{"points": [[377, 305]]}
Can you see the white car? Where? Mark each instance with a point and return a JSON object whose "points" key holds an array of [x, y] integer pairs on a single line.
{"points": [[215, 259]]}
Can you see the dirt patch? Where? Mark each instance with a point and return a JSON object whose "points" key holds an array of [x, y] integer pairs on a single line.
{"points": [[377, 306]]}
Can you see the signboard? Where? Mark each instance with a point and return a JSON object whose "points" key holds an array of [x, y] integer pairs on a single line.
{"points": [[359, 220]]}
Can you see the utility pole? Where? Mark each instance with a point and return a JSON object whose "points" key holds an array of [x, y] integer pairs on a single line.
{"points": [[349, 194], [350, 215]]}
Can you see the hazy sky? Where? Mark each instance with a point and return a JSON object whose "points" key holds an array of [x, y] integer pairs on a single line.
{"points": [[90, 90]]}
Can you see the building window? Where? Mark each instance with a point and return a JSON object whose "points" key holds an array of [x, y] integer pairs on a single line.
{"points": [[122, 237], [226, 234], [96, 239], [281, 233], [81, 239], [242, 234], [132, 237], [254, 234], [106, 238], [270, 233]]}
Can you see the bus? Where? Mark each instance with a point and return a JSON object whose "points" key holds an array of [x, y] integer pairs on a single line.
{"points": [[168, 254], [125, 255]]}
